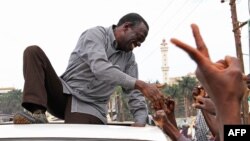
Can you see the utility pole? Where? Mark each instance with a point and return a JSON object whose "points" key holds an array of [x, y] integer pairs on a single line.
{"points": [[248, 101], [249, 42], [236, 31], [237, 36]]}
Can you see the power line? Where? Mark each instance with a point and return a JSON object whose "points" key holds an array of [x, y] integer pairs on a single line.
{"points": [[173, 31], [163, 11], [159, 17], [178, 11]]}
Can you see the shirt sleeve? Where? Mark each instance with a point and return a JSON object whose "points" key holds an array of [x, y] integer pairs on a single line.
{"points": [[136, 100], [91, 48]]}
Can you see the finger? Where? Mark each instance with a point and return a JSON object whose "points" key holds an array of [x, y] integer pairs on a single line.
{"points": [[221, 64], [201, 60], [171, 101], [200, 99], [162, 104], [201, 46], [195, 91], [192, 52], [197, 106], [166, 110], [156, 116], [160, 86], [167, 100], [233, 62], [158, 104]]}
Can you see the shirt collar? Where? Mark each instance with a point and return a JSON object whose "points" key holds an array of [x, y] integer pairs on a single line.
{"points": [[112, 36]]}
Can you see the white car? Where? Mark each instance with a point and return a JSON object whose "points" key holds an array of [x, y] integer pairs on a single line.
{"points": [[79, 132]]}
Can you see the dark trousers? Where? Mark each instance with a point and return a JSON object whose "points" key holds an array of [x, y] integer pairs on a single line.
{"points": [[43, 89]]}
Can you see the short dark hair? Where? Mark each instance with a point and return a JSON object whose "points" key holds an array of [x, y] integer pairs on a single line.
{"points": [[134, 18]]}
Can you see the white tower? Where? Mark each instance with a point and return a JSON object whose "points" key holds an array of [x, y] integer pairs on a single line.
{"points": [[164, 56]]}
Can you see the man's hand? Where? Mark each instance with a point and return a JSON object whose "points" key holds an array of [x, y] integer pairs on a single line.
{"points": [[151, 92]]}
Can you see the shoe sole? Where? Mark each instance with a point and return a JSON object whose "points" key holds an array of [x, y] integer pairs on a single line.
{"points": [[21, 118]]}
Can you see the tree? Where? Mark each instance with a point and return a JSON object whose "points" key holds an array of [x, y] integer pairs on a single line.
{"points": [[119, 102], [11, 102], [187, 84]]}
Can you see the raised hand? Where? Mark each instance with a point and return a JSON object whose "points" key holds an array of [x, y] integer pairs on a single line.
{"points": [[169, 105], [205, 103], [169, 110], [198, 91], [223, 80], [202, 101], [216, 78]]}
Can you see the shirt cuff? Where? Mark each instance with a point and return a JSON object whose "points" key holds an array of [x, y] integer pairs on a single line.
{"points": [[129, 83], [141, 117]]}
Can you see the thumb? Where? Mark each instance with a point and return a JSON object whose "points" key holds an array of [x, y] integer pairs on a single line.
{"points": [[233, 62], [198, 105]]}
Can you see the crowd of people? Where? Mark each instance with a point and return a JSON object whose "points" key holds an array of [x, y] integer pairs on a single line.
{"points": [[103, 59]]}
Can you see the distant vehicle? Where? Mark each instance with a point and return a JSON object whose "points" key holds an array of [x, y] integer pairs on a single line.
{"points": [[80, 132]]}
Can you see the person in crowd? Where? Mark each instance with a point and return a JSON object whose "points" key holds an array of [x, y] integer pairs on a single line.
{"points": [[192, 129], [102, 59], [202, 131], [223, 81], [205, 107]]}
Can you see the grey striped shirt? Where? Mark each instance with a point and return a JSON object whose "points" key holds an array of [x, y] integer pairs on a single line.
{"points": [[95, 68]]}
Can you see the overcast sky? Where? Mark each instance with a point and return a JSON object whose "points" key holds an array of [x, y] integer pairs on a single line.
{"points": [[55, 26]]}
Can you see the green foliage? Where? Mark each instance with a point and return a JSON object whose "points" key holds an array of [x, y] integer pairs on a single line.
{"points": [[11, 102], [173, 91]]}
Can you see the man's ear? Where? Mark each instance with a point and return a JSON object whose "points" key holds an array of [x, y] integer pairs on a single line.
{"points": [[127, 25]]}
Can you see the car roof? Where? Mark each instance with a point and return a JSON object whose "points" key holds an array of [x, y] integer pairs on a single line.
{"points": [[79, 131]]}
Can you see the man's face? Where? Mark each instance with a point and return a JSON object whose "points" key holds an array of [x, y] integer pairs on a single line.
{"points": [[133, 36]]}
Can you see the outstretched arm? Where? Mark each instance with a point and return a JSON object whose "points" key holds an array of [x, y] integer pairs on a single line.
{"points": [[165, 124], [207, 108], [169, 110], [205, 104], [211, 123]]}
